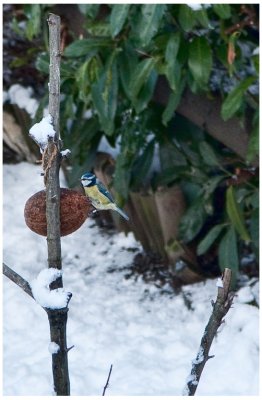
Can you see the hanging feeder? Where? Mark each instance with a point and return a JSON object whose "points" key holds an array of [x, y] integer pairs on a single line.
{"points": [[74, 210]]}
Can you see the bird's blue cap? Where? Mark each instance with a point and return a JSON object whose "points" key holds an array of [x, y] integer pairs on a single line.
{"points": [[88, 175], [88, 179]]}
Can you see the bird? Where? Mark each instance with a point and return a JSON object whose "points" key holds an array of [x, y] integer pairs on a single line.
{"points": [[99, 196]]}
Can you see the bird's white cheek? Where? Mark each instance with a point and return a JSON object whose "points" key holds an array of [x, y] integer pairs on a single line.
{"points": [[86, 183]]}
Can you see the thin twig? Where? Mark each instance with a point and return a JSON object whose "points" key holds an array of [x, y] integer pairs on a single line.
{"points": [[220, 308], [17, 279], [108, 379]]}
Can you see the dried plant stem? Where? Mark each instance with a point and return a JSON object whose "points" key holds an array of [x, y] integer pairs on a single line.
{"points": [[108, 379]]}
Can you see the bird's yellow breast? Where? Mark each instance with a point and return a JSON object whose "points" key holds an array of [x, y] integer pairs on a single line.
{"points": [[97, 198]]}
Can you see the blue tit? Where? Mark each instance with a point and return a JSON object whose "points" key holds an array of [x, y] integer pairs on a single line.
{"points": [[100, 198]]}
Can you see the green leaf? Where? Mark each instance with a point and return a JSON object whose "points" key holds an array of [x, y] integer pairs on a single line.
{"points": [[254, 227], [127, 62], [200, 60], [254, 200], [140, 75], [104, 94], [202, 18], [146, 93], [33, 26], [235, 214], [42, 63], [186, 17], [208, 154], [83, 81], [209, 239], [90, 10], [118, 17], [255, 62], [86, 141], [150, 19], [235, 98], [211, 184], [170, 156], [192, 155], [193, 220], [168, 175], [253, 144], [84, 46], [222, 10], [228, 254], [173, 102], [173, 68], [122, 176], [98, 28], [142, 164]]}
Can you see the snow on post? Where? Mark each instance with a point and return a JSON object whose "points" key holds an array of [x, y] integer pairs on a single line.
{"points": [[52, 299], [53, 348], [42, 131], [220, 283]]}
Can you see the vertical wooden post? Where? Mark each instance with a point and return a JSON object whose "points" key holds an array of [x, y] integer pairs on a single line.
{"points": [[53, 150], [57, 317]]}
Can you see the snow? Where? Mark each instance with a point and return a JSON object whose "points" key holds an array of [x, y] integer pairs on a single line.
{"points": [[220, 283], [53, 348], [245, 295], [149, 335], [200, 356], [22, 97], [65, 153], [41, 131], [53, 299], [105, 147], [195, 6]]}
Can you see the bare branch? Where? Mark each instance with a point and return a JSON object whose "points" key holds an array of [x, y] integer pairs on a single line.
{"points": [[108, 379], [17, 279], [53, 151], [220, 308]]}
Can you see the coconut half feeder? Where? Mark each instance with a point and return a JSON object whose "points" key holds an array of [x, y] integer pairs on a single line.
{"points": [[74, 210]]}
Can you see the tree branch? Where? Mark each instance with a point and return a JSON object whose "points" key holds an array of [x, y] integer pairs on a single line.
{"points": [[220, 308], [108, 379], [17, 279]]}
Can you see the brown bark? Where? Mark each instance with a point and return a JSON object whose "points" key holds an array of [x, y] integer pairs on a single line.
{"points": [[57, 317]]}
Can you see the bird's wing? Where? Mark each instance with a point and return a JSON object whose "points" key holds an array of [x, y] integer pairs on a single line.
{"points": [[105, 191]]}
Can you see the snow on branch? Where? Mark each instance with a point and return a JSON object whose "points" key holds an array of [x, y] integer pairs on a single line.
{"points": [[52, 299], [220, 308]]}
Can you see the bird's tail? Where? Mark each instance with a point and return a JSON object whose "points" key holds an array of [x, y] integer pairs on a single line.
{"points": [[121, 212]]}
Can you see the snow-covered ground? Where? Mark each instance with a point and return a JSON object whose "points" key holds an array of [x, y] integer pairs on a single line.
{"points": [[149, 337]]}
